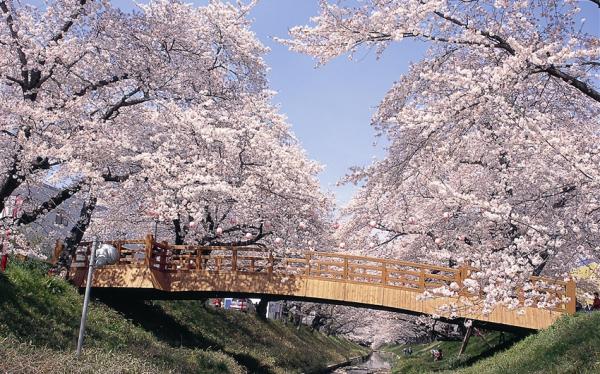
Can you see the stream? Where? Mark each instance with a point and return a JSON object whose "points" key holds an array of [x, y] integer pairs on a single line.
{"points": [[378, 363]]}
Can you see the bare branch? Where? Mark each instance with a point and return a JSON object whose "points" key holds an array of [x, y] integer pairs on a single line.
{"points": [[108, 177], [569, 79], [14, 35], [124, 102], [553, 71], [100, 84], [67, 25]]}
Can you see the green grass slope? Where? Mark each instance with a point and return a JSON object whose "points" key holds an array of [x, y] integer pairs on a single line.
{"points": [[39, 321], [421, 360], [571, 345]]}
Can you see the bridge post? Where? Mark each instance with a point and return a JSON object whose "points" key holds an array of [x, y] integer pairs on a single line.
{"points": [[119, 246], [422, 278], [463, 273], [571, 291], [384, 273], [345, 267], [271, 263], [521, 296], [308, 257], [148, 244], [233, 259], [198, 259], [163, 258]]}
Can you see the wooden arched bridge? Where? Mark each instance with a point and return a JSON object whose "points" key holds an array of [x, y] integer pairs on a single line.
{"points": [[178, 271]]}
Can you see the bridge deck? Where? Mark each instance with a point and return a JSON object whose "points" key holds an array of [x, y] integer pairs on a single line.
{"points": [[332, 277]]}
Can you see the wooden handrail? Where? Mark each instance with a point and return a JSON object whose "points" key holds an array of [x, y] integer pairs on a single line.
{"points": [[400, 274], [114, 242], [548, 280]]}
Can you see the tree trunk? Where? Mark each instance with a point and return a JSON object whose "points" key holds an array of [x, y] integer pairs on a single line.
{"points": [[11, 183], [432, 337], [179, 234]]}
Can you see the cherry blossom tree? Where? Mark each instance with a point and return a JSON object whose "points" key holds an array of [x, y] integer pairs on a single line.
{"points": [[375, 327], [219, 174], [493, 137], [169, 104], [232, 173], [73, 74]]}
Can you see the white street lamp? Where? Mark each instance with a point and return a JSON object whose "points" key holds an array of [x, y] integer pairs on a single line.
{"points": [[105, 255]]}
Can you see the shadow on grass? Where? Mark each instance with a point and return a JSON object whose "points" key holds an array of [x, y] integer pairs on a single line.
{"points": [[499, 347], [30, 311], [153, 319]]}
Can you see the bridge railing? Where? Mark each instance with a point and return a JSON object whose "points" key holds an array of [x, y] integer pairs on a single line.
{"points": [[165, 257], [131, 252]]}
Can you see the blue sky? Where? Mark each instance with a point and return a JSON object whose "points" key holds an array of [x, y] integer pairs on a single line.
{"points": [[330, 107]]}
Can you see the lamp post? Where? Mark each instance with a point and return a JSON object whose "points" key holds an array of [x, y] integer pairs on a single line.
{"points": [[107, 255]]}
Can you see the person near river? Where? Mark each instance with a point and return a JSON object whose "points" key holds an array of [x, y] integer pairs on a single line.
{"points": [[437, 354]]}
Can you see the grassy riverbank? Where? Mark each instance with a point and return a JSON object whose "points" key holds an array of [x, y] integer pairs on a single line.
{"points": [[421, 360], [571, 345], [39, 320]]}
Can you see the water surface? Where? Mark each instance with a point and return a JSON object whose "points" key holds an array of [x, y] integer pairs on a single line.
{"points": [[378, 363]]}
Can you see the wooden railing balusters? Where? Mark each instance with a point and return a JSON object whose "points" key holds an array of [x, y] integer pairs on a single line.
{"points": [[198, 259], [571, 291], [521, 296], [308, 256], [234, 259], [148, 244], [345, 267], [459, 277]]}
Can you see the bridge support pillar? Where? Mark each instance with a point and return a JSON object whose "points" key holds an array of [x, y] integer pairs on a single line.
{"points": [[465, 340], [261, 308]]}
